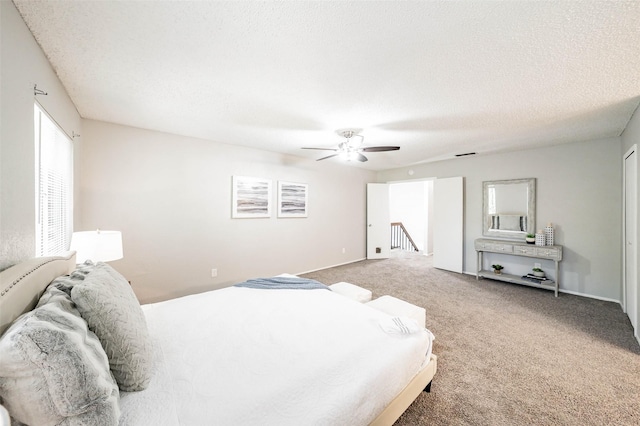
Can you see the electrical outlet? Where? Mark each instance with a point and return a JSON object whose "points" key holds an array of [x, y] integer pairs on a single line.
{"points": [[537, 265], [214, 273]]}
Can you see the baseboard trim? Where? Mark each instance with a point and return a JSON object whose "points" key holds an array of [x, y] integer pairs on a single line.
{"points": [[575, 293], [591, 296], [332, 266]]}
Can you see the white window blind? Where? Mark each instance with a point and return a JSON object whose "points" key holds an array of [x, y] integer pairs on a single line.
{"points": [[54, 186]]}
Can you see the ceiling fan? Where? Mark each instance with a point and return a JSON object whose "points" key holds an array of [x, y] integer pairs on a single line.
{"points": [[350, 150]]}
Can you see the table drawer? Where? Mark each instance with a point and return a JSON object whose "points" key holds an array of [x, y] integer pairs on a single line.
{"points": [[524, 250], [548, 252], [481, 245], [494, 247]]}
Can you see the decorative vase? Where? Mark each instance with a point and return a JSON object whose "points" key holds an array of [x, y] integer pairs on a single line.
{"points": [[548, 234], [540, 239], [530, 240], [539, 274]]}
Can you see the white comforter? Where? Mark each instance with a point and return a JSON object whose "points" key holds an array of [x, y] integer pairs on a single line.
{"points": [[240, 356]]}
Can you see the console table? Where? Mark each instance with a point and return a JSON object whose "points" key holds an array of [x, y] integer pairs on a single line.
{"points": [[516, 248]]}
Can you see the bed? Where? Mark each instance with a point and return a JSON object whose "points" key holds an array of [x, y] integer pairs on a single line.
{"points": [[232, 356]]}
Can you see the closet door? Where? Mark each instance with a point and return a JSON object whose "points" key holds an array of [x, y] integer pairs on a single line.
{"points": [[630, 237], [448, 223]]}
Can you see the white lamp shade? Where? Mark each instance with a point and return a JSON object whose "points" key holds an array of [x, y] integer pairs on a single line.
{"points": [[98, 246]]}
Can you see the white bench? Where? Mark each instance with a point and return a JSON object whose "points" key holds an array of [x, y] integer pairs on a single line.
{"points": [[399, 308], [351, 291]]}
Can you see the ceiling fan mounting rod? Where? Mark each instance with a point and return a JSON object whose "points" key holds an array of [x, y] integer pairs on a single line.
{"points": [[348, 132]]}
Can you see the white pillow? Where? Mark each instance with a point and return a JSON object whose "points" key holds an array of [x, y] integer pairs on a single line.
{"points": [[110, 307], [53, 370]]}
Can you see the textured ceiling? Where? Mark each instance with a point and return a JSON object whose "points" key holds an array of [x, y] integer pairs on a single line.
{"points": [[435, 77]]}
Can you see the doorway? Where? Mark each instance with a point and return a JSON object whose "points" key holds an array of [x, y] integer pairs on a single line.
{"points": [[411, 203], [444, 221]]}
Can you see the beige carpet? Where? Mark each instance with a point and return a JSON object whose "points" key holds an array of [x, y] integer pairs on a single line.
{"points": [[509, 354]]}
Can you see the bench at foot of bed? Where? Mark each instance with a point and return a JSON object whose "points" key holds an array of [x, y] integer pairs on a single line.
{"points": [[396, 307], [351, 291]]}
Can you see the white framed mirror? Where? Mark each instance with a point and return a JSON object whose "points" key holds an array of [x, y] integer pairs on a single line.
{"points": [[509, 208]]}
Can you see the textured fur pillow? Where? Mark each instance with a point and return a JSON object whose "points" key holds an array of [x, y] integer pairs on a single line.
{"points": [[107, 302], [53, 370]]}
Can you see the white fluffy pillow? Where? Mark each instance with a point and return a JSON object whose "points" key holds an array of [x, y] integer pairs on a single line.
{"points": [[110, 307], [53, 370]]}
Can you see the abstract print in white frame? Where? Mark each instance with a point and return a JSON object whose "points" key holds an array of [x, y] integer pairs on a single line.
{"points": [[251, 197], [293, 199]]}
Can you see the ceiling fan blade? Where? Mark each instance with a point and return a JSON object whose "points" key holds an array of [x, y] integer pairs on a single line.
{"points": [[328, 156], [324, 149], [379, 148], [361, 158]]}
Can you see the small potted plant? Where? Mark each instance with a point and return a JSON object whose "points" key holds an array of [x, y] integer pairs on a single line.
{"points": [[531, 238], [497, 269], [538, 272]]}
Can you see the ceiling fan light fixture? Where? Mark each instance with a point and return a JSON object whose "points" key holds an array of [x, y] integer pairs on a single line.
{"points": [[348, 155], [350, 150], [352, 156]]}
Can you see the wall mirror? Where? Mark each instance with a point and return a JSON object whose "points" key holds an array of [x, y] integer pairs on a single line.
{"points": [[509, 208]]}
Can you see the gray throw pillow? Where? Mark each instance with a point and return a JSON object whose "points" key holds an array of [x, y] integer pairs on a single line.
{"points": [[53, 370], [110, 307]]}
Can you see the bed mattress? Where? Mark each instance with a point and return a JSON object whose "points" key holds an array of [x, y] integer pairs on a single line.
{"points": [[242, 356]]}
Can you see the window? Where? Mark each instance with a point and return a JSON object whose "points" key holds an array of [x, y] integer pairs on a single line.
{"points": [[54, 186], [491, 204]]}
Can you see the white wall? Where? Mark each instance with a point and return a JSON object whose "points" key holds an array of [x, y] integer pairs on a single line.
{"points": [[171, 198], [22, 65], [578, 190], [430, 212]]}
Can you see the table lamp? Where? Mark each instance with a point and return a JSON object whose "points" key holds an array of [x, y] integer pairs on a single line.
{"points": [[97, 246]]}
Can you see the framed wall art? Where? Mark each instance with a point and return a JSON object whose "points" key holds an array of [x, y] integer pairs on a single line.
{"points": [[251, 197], [293, 199]]}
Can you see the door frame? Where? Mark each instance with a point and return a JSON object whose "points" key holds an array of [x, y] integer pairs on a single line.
{"points": [[429, 219], [631, 151]]}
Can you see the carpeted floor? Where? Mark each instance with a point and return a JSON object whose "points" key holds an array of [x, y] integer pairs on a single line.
{"points": [[509, 354]]}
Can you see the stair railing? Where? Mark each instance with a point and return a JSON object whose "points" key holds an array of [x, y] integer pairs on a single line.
{"points": [[400, 238]]}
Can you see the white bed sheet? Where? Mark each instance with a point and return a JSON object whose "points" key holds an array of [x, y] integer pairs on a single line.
{"points": [[241, 356]]}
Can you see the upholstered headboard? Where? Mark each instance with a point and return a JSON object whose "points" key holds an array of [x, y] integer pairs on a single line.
{"points": [[22, 285]]}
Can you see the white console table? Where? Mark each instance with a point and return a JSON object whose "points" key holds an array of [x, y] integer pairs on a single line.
{"points": [[516, 248]]}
